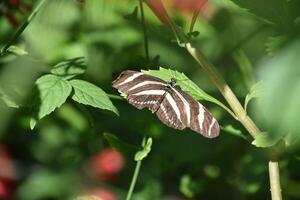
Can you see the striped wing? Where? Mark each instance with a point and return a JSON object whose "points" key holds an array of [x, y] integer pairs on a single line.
{"points": [[141, 90], [194, 115], [173, 107], [170, 113]]}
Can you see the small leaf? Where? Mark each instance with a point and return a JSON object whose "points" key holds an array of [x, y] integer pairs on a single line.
{"points": [[54, 91], [89, 94], [189, 187], [119, 145], [186, 85], [265, 139], [273, 44], [212, 171], [69, 68], [32, 122], [193, 34], [132, 16], [140, 155], [17, 50], [232, 130], [256, 91], [8, 101]]}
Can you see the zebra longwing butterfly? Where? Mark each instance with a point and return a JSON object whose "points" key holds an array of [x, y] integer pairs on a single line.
{"points": [[168, 101]]}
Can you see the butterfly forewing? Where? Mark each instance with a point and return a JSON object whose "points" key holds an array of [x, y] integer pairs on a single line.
{"points": [[141, 90]]}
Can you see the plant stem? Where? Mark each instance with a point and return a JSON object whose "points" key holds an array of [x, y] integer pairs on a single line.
{"points": [[21, 28], [112, 96], [144, 30], [139, 163], [239, 112], [135, 174], [134, 178], [275, 180], [224, 89]]}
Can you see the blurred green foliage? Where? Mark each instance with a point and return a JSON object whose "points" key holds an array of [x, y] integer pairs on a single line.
{"points": [[94, 40]]}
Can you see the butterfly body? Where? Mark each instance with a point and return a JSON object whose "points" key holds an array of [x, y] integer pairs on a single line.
{"points": [[168, 101]]}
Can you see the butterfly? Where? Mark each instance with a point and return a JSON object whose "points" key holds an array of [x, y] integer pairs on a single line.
{"points": [[168, 101]]}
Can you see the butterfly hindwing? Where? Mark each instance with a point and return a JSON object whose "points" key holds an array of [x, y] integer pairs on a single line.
{"points": [[169, 112], [199, 119]]}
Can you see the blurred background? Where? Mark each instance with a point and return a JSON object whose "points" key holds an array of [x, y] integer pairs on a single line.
{"points": [[66, 155]]}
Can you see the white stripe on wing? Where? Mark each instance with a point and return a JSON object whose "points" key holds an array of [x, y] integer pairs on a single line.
{"points": [[130, 78], [144, 83], [201, 116], [211, 125], [150, 92], [186, 107], [174, 106]]}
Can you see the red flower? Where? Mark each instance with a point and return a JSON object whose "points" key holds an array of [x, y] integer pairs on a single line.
{"points": [[6, 165], [5, 189], [107, 164], [13, 2], [7, 175], [10, 8], [189, 5], [158, 8]]}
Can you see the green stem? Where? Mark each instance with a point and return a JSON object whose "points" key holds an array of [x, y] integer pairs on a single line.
{"points": [[275, 180], [21, 28], [135, 174], [112, 96], [144, 30], [134, 178], [225, 90]]}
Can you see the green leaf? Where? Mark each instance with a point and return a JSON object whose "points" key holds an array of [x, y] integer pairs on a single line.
{"points": [[140, 155], [212, 171], [132, 16], [89, 94], [265, 139], [32, 123], [119, 145], [281, 13], [232, 130], [69, 68], [193, 34], [17, 50], [8, 100], [278, 107], [274, 43], [53, 92], [186, 85], [189, 187], [245, 66], [256, 91]]}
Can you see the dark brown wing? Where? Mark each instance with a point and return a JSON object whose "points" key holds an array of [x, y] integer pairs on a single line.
{"points": [[141, 90], [195, 115], [169, 112]]}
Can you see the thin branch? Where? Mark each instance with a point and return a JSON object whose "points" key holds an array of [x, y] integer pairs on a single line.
{"points": [[21, 28], [134, 178], [144, 30], [275, 181], [224, 89], [112, 96], [135, 174]]}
